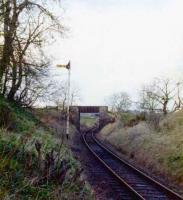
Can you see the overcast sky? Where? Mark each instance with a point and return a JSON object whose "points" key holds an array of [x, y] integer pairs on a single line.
{"points": [[117, 45]]}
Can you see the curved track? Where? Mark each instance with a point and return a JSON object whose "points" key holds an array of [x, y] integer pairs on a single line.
{"points": [[132, 183]]}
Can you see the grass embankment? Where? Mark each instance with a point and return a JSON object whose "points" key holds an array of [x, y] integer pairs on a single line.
{"points": [[33, 163], [159, 151], [52, 118]]}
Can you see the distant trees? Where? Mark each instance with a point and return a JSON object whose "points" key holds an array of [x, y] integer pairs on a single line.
{"points": [[25, 26], [147, 100], [162, 95], [119, 102], [57, 94]]}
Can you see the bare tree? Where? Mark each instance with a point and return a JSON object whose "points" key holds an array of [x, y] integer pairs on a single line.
{"points": [[119, 102], [147, 100], [26, 26], [159, 95], [178, 102], [58, 95]]}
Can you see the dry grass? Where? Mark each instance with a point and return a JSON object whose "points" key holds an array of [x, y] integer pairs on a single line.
{"points": [[160, 152]]}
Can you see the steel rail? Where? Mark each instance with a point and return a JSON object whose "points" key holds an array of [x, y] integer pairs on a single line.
{"points": [[138, 196], [168, 191]]}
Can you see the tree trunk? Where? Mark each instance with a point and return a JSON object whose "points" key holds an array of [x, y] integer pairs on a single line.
{"points": [[165, 107]]}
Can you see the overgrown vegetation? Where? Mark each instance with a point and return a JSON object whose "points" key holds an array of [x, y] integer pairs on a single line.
{"points": [[158, 150], [34, 164]]}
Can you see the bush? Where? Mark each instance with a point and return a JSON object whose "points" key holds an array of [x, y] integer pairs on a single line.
{"points": [[130, 119], [154, 119]]}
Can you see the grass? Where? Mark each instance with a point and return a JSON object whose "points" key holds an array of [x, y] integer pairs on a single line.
{"points": [[127, 117], [33, 163], [14, 117], [161, 152], [88, 121]]}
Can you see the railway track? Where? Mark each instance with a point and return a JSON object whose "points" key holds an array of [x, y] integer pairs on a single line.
{"points": [[129, 181]]}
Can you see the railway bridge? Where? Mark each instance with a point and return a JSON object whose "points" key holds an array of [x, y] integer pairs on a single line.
{"points": [[76, 111]]}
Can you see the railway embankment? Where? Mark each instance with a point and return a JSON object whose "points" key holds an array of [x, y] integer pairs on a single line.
{"points": [[35, 163], [156, 149]]}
